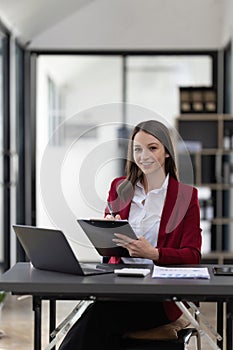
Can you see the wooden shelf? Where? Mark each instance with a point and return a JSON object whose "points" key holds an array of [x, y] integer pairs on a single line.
{"points": [[222, 221], [216, 186], [211, 151], [205, 116], [212, 168], [220, 256]]}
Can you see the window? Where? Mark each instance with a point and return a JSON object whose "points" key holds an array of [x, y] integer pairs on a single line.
{"points": [[76, 134]]}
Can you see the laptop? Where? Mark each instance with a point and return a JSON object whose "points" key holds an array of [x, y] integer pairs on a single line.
{"points": [[48, 249], [101, 234]]}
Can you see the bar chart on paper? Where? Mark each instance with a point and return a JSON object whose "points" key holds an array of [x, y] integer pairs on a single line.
{"points": [[180, 272]]}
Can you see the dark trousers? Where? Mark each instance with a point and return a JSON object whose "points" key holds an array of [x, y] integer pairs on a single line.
{"points": [[104, 323]]}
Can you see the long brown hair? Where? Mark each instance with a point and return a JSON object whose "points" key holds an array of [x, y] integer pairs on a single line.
{"points": [[133, 173]]}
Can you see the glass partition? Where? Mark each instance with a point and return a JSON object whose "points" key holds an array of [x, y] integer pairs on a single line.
{"points": [[80, 120], [154, 81]]}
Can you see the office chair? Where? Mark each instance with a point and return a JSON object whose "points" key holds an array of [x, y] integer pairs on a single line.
{"points": [[184, 337], [183, 331]]}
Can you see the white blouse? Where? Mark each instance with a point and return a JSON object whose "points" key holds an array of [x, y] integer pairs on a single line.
{"points": [[145, 215]]}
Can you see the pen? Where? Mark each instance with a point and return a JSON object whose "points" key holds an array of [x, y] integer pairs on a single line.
{"points": [[110, 209]]}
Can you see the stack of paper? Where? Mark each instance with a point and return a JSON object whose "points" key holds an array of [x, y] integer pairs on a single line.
{"points": [[180, 272]]}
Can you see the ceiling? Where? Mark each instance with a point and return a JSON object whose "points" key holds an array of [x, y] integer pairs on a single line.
{"points": [[29, 18], [84, 24]]}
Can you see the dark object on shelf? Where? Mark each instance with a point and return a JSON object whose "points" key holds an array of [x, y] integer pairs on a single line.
{"points": [[223, 271], [205, 131], [198, 100]]}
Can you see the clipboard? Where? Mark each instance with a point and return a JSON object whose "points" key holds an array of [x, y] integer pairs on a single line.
{"points": [[101, 233]]}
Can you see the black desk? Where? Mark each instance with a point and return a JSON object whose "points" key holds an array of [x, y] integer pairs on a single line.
{"points": [[23, 279]]}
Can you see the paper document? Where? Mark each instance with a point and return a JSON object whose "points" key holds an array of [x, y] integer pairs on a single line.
{"points": [[180, 272]]}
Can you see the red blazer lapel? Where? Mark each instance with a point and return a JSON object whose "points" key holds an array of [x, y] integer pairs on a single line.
{"points": [[177, 202], [167, 209]]}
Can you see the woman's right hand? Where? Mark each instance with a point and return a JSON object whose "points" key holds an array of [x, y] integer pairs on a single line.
{"points": [[111, 217]]}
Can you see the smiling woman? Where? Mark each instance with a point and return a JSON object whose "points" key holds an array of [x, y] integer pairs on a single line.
{"points": [[164, 214]]}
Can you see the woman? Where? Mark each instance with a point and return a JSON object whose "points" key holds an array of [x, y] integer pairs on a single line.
{"points": [[165, 216]]}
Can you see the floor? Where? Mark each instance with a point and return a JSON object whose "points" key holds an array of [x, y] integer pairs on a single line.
{"points": [[16, 322]]}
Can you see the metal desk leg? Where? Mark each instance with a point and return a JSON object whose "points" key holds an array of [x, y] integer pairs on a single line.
{"points": [[37, 322], [220, 322], [68, 322], [194, 322], [229, 325], [52, 319]]}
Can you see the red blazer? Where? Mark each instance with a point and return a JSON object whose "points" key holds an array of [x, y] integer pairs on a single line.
{"points": [[179, 237]]}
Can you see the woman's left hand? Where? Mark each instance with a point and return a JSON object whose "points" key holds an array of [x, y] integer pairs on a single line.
{"points": [[139, 248]]}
